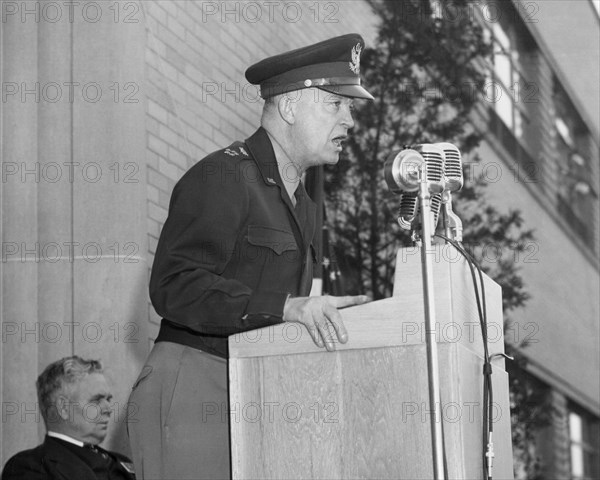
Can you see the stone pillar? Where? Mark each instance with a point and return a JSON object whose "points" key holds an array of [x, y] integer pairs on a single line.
{"points": [[78, 277], [19, 230]]}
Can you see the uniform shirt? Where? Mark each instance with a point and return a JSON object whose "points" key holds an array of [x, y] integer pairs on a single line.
{"points": [[232, 249]]}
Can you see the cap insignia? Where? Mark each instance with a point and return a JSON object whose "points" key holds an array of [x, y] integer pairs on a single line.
{"points": [[355, 63]]}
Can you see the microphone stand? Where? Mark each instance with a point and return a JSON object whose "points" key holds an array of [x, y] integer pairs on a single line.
{"points": [[432, 353]]}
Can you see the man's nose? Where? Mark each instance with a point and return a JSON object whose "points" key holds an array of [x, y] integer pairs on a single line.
{"points": [[105, 408], [347, 119]]}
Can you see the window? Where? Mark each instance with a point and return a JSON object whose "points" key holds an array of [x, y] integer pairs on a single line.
{"points": [[511, 92], [506, 80], [511, 89], [576, 196], [584, 445]]}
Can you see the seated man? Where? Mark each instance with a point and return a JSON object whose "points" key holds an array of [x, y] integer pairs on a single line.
{"points": [[75, 402]]}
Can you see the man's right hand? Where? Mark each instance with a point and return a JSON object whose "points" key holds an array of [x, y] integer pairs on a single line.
{"points": [[318, 313]]}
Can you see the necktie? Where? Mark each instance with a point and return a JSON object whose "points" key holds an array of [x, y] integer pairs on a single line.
{"points": [[298, 208], [96, 450]]}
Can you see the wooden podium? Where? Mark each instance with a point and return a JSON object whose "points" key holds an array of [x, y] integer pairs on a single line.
{"points": [[297, 411]]}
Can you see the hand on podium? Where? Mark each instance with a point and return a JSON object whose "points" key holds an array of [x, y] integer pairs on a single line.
{"points": [[317, 314]]}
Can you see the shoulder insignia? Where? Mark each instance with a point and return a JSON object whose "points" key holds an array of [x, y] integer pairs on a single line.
{"points": [[244, 151], [230, 152]]}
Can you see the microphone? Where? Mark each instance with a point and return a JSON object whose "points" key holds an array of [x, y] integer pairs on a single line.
{"points": [[436, 179], [436, 205], [452, 166], [454, 182], [402, 175], [409, 209], [434, 166], [402, 171]]}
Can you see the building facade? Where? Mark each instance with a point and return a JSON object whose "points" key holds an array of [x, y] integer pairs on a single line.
{"points": [[106, 104], [541, 124]]}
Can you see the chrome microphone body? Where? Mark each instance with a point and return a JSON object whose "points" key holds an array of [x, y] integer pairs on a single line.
{"points": [[454, 182], [403, 172]]}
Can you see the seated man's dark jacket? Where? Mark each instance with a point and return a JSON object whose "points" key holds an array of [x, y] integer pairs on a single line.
{"points": [[56, 459], [232, 249]]}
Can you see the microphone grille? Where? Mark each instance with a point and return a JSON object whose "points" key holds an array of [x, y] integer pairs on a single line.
{"points": [[436, 205], [409, 202], [434, 160], [410, 210], [452, 166]]}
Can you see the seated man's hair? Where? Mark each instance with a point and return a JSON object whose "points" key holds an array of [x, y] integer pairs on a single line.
{"points": [[60, 374]]}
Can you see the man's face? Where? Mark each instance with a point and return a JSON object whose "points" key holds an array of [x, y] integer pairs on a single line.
{"points": [[321, 125], [89, 409]]}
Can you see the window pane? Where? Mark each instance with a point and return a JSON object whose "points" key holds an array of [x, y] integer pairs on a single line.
{"points": [[502, 69], [504, 107], [576, 461], [575, 427], [518, 131], [501, 36], [564, 131]]}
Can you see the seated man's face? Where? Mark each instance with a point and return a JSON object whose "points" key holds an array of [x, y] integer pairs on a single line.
{"points": [[90, 408]]}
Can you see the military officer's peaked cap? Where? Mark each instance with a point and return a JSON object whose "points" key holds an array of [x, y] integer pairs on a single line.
{"points": [[332, 65]]}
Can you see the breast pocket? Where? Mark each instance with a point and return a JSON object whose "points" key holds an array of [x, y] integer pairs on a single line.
{"points": [[277, 240], [270, 259]]}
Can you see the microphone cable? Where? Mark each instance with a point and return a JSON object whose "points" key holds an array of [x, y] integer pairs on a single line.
{"points": [[488, 396]]}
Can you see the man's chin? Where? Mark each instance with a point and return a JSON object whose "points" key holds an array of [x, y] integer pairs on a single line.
{"points": [[333, 160], [100, 435]]}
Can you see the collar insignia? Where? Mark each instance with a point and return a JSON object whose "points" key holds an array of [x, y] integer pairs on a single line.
{"points": [[128, 466], [355, 63]]}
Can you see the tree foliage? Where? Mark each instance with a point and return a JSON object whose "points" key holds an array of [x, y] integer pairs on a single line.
{"points": [[425, 77], [426, 72]]}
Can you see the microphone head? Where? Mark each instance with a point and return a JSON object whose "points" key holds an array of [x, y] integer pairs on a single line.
{"points": [[409, 216], [401, 171], [434, 161], [452, 166], [436, 205], [409, 207]]}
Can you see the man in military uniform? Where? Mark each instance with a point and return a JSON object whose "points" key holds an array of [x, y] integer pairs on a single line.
{"points": [[76, 404], [236, 254]]}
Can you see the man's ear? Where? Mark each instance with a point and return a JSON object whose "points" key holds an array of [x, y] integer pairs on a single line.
{"points": [[287, 106], [63, 407]]}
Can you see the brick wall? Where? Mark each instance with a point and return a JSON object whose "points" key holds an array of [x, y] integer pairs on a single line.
{"points": [[198, 98]]}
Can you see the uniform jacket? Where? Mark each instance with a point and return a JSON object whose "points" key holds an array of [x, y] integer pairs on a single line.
{"points": [[55, 460], [232, 249]]}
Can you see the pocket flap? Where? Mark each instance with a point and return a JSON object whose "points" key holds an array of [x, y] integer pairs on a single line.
{"points": [[277, 240]]}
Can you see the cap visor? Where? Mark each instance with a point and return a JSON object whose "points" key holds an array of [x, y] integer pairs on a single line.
{"points": [[353, 91]]}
